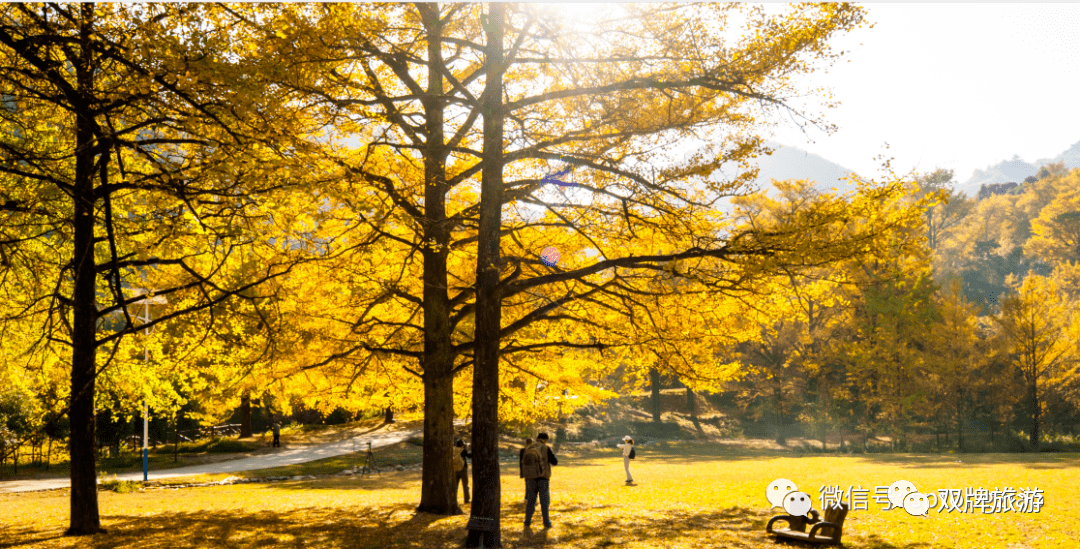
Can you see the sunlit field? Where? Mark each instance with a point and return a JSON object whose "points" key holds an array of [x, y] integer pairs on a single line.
{"points": [[690, 495]]}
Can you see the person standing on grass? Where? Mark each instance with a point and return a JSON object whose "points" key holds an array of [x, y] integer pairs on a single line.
{"points": [[277, 435], [463, 471], [627, 447], [536, 462]]}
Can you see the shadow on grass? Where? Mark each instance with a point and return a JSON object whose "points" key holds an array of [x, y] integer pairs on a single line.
{"points": [[368, 483], [400, 526], [873, 541], [359, 528], [27, 537], [734, 527], [386, 479]]}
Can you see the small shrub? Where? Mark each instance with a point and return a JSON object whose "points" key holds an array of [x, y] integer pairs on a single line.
{"points": [[218, 446], [588, 432], [339, 416], [120, 486], [229, 445]]}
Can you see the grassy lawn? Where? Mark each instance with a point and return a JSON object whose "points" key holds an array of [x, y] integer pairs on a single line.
{"points": [[687, 496]]}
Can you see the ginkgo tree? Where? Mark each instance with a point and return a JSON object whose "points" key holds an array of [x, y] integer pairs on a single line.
{"points": [[725, 256], [410, 81], [1056, 229], [1042, 331], [136, 146], [454, 281]]}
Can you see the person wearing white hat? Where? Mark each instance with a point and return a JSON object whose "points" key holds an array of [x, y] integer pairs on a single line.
{"points": [[627, 447]]}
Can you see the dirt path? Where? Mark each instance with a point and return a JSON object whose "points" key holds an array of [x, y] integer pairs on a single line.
{"points": [[285, 456]]}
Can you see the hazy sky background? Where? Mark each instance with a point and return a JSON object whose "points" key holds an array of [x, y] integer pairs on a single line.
{"points": [[958, 86]]}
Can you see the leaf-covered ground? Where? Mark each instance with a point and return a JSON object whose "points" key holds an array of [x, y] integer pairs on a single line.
{"points": [[690, 495]]}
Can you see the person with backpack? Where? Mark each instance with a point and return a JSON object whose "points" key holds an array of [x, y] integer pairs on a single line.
{"points": [[627, 454], [536, 461], [461, 467]]}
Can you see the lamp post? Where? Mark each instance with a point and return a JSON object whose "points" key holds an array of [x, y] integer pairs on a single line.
{"points": [[145, 318]]}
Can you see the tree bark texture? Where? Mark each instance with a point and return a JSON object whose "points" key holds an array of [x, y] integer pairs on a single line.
{"points": [[84, 502], [245, 416], [691, 406], [487, 489], [1033, 398], [960, 421], [654, 378], [437, 494]]}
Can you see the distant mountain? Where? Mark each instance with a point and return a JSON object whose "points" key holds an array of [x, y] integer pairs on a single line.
{"points": [[1016, 170], [1071, 156], [794, 163]]}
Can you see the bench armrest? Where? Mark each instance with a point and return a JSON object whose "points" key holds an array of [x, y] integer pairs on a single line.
{"points": [[817, 527], [785, 518], [815, 517]]}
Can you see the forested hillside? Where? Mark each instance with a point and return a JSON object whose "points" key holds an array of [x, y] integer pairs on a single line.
{"points": [[1015, 170], [976, 333]]}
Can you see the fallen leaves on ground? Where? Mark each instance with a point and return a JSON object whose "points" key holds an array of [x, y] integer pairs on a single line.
{"points": [[691, 496]]}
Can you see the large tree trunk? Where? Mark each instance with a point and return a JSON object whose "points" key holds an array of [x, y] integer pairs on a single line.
{"points": [[1033, 398], [993, 408], [691, 406], [960, 421], [437, 494], [84, 502], [245, 416], [176, 437], [654, 379], [778, 403], [484, 521]]}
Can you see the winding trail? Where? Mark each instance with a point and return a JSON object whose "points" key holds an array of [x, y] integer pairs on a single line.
{"points": [[286, 456]]}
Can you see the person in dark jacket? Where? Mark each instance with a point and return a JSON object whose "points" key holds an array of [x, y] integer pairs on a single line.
{"points": [[463, 473], [537, 473], [277, 435]]}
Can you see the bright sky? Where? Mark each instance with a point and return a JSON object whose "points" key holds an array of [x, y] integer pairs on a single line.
{"points": [[958, 86]]}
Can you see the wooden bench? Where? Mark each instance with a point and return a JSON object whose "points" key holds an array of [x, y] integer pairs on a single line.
{"points": [[824, 532]]}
